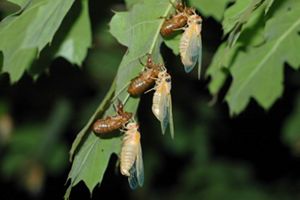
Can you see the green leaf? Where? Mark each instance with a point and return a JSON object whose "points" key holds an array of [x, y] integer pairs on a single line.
{"points": [[98, 113], [130, 3], [215, 70], [22, 3], [138, 29], [23, 36], [75, 46], [118, 23], [268, 5], [173, 43], [214, 8], [259, 72], [252, 35], [236, 16]]}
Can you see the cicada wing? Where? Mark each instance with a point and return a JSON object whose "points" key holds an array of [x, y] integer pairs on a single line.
{"points": [[136, 177], [132, 179], [140, 167], [193, 51], [171, 116], [199, 56], [164, 115]]}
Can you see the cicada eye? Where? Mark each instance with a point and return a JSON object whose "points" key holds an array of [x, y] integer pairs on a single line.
{"points": [[168, 80]]}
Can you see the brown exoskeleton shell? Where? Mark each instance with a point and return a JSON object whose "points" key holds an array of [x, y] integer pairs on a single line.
{"points": [[145, 79], [177, 21], [112, 123]]}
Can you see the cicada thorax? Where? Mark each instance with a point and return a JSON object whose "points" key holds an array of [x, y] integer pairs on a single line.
{"points": [[145, 79], [130, 148], [112, 123]]}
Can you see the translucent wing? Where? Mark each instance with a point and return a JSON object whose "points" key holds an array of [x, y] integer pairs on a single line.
{"points": [[132, 179], [164, 107], [136, 177], [140, 167], [170, 116], [193, 51], [199, 56]]}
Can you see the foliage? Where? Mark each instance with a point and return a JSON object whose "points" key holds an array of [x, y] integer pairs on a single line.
{"points": [[257, 65], [25, 33], [139, 31], [260, 37]]}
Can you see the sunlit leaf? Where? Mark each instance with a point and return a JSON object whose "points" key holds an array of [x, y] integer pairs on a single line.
{"points": [[236, 16], [23, 36], [252, 35], [78, 39], [130, 3], [259, 72]]}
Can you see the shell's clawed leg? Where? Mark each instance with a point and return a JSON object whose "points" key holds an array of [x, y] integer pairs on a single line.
{"points": [[126, 99], [150, 90], [180, 29]]}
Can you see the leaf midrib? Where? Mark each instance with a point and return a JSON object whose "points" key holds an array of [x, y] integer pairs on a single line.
{"points": [[268, 55], [84, 160]]}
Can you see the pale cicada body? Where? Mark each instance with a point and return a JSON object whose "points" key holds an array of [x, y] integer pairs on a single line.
{"points": [[191, 45], [131, 160], [162, 102]]}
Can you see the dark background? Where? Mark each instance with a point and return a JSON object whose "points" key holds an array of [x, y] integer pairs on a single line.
{"points": [[213, 156]]}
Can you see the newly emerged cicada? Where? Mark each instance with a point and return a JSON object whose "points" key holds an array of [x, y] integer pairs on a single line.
{"points": [[145, 79], [111, 123], [162, 102], [190, 47], [131, 160], [177, 21]]}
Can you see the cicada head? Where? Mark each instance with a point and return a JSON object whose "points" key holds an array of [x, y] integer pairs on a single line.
{"points": [[164, 75], [194, 19], [132, 126]]}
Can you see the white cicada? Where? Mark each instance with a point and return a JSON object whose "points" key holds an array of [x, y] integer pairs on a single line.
{"points": [[162, 102], [190, 46], [131, 160]]}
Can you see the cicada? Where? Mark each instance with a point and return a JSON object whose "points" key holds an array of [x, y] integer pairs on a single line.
{"points": [[131, 160], [162, 102], [190, 46]]}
